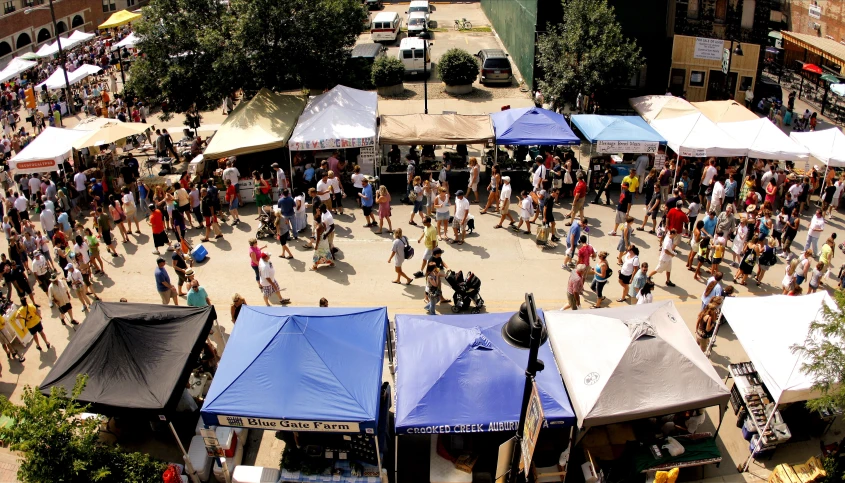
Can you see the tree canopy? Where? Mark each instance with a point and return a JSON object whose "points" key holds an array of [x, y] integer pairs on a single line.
{"points": [[198, 51], [824, 352], [585, 53]]}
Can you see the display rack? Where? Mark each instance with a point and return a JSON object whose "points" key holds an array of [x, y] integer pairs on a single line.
{"points": [[753, 406]]}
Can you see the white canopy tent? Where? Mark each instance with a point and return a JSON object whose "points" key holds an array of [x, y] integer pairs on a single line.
{"points": [[57, 80], [827, 145], [46, 152], [765, 140], [15, 67], [625, 363], [767, 328], [341, 118], [130, 41], [75, 38]]}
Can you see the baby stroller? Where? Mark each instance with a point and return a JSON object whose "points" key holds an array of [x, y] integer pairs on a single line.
{"points": [[466, 291], [267, 223]]}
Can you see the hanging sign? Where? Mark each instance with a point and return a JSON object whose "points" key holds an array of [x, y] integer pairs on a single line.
{"points": [[615, 147], [815, 11], [708, 49], [659, 161], [367, 159], [534, 418], [212, 446], [693, 152], [289, 424]]}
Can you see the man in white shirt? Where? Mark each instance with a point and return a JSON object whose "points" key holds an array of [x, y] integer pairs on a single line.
{"points": [[48, 222], [267, 280], [328, 221], [707, 177], [34, 189], [324, 190], [41, 271], [21, 205], [336, 192], [717, 198], [814, 231], [232, 174], [767, 176], [539, 174], [79, 181], [640, 167], [459, 224], [281, 178], [59, 293], [667, 253], [505, 202]]}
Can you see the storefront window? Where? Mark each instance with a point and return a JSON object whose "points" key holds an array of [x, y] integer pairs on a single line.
{"points": [[696, 78]]}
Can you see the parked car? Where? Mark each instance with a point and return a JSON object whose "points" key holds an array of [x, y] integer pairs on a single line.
{"points": [[411, 54], [417, 22], [386, 27], [495, 67], [374, 4], [360, 65], [420, 6]]}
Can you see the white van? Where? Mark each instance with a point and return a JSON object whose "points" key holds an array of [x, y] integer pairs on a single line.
{"points": [[386, 27], [411, 55]]}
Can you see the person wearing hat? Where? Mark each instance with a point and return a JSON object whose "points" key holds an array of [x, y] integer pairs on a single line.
{"points": [[281, 178], [437, 261], [41, 271], [267, 281], [459, 223], [59, 293], [505, 202], [180, 266], [165, 289]]}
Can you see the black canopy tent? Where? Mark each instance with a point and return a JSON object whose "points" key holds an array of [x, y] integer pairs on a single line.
{"points": [[138, 357]]}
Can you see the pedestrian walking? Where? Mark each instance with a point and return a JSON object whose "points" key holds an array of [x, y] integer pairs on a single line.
{"points": [[575, 287], [526, 212], [157, 224], [706, 323], [625, 242], [367, 199], [269, 285], [441, 211], [165, 289], [233, 198], [59, 294], [493, 189], [767, 259], [397, 255], [118, 216], [91, 251], [748, 261], [432, 288], [459, 223], [416, 197], [505, 202], [384, 211], [625, 198], [667, 254], [255, 258], [601, 274], [630, 266], [208, 208], [429, 234], [29, 316], [474, 176], [238, 301]]}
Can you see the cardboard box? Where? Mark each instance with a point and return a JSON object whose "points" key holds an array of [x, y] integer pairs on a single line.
{"points": [[465, 462]]}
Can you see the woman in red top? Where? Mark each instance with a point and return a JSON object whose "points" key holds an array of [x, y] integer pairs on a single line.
{"points": [[233, 198], [771, 192]]}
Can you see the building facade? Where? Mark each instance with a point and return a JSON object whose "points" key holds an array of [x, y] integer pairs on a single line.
{"points": [[25, 25], [821, 18]]}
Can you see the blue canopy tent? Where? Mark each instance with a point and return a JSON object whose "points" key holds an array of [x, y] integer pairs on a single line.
{"points": [[596, 128], [532, 126], [301, 369]]}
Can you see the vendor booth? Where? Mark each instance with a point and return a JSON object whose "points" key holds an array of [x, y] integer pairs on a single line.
{"points": [[314, 375], [457, 375], [430, 130], [120, 18], [56, 81], [725, 111], [130, 41], [46, 152], [16, 67], [687, 131], [76, 38], [766, 387], [136, 356], [263, 125], [343, 119], [635, 377], [827, 145]]}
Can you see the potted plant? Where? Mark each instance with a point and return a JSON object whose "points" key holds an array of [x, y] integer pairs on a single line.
{"points": [[387, 76], [458, 69]]}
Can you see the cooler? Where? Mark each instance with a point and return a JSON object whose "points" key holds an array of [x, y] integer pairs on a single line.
{"points": [[228, 440], [255, 474], [199, 253], [199, 458], [748, 429], [232, 461]]}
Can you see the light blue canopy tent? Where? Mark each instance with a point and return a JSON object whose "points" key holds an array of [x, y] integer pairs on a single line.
{"points": [[596, 128]]}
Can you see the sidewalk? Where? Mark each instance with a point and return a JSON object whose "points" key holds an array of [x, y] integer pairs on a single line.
{"points": [[8, 466]]}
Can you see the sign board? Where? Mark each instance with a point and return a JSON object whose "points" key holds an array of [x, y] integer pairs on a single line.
{"points": [[726, 61], [289, 424], [212, 446], [659, 161], [614, 147], [367, 160], [534, 418], [693, 152], [503, 464], [708, 49], [815, 11]]}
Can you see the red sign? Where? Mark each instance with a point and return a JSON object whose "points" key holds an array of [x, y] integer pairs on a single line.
{"points": [[27, 165]]}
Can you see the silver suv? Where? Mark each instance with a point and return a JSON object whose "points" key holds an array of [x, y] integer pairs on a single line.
{"points": [[495, 67]]}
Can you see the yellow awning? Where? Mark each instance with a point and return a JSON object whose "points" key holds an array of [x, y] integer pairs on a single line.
{"points": [[826, 48], [117, 19]]}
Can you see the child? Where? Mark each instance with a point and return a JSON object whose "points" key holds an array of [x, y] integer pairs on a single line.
{"points": [[816, 277], [526, 212], [644, 295], [639, 280], [703, 252], [719, 244]]}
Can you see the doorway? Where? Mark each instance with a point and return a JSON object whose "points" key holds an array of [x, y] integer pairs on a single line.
{"points": [[716, 85]]}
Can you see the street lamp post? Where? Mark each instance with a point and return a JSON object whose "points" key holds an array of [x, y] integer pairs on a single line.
{"points": [[68, 93], [425, 35], [524, 330], [731, 53]]}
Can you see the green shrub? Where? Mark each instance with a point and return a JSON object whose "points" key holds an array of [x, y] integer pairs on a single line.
{"points": [[387, 71], [457, 67]]}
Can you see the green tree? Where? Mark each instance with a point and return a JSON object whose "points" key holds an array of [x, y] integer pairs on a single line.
{"points": [[57, 445], [824, 353], [457, 67], [587, 52]]}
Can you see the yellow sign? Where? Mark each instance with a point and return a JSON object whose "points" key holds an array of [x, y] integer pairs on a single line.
{"points": [[534, 418]]}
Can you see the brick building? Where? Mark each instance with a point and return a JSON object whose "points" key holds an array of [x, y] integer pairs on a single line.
{"points": [[821, 18], [22, 32]]}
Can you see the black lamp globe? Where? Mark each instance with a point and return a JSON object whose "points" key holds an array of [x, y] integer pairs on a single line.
{"points": [[517, 332]]}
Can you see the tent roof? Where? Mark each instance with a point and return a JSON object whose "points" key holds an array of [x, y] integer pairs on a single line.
{"points": [[264, 122], [137, 356], [597, 127], [314, 364], [56, 81], [767, 328], [532, 125], [764, 140], [341, 118], [15, 67], [661, 107], [725, 111], [696, 136], [435, 129], [129, 41], [68, 42], [459, 371], [614, 372], [121, 17], [102, 130], [827, 145], [46, 151]]}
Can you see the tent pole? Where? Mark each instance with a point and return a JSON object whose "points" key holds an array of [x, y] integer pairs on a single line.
{"points": [[721, 419], [290, 161], [396, 459], [390, 351], [378, 455], [760, 438], [189, 468], [824, 185]]}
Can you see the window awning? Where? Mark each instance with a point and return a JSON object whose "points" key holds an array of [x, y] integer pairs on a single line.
{"points": [[827, 49]]}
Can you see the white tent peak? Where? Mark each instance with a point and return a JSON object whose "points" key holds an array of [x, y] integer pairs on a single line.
{"points": [[640, 328]]}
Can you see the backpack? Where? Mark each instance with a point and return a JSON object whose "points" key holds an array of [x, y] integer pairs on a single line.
{"points": [[409, 250]]}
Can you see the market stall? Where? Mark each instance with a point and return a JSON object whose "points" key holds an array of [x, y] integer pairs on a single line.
{"points": [[765, 387], [687, 131], [457, 375], [430, 130], [16, 67], [315, 374], [56, 81], [46, 152], [633, 373], [725, 111], [341, 119], [827, 145], [137, 357], [76, 38], [120, 18], [130, 41], [260, 125]]}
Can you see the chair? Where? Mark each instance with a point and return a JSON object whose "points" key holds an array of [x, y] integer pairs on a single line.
{"points": [[552, 474]]}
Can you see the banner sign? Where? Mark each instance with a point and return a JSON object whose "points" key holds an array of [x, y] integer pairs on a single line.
{"points": [[693, 152], [659, 161], [289, 424], [614, 147], [708, 49], [472, 428], [534, 418], [212, 446]]}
